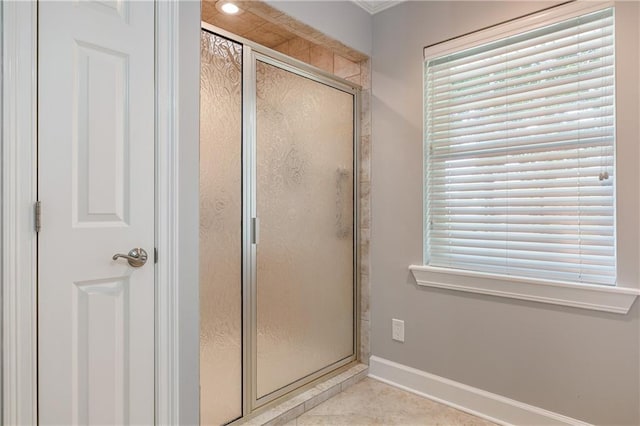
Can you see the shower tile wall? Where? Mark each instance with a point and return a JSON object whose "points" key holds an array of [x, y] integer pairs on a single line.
{"points": [[365, 207], [321, 57]]}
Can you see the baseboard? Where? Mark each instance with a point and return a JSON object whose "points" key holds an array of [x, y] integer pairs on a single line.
{"points": [[487, 405]]}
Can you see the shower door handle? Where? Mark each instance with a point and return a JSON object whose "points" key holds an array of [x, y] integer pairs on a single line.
{"points": [[255, 230]]}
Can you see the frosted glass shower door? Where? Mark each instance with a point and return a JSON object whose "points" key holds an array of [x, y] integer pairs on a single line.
{"points": [[220, 230], [304, 203], [276, 304]]}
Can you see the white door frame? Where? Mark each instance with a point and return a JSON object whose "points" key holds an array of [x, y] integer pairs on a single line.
{"points": [[177, 206], [19, 243]]}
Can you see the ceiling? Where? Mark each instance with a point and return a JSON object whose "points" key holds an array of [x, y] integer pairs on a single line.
{"points": [[375, 6], [270, 27]]}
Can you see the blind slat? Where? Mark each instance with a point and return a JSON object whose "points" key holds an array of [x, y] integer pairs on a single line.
{"points": [[530, 173], [527, 228], [559, 168], [550, 156], [529, 202], [522, 193], [597, 138], [481, 237], [534, 264], [502, 210]]}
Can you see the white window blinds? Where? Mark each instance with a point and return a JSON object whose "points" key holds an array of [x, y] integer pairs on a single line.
{"points": [[519, 154]]}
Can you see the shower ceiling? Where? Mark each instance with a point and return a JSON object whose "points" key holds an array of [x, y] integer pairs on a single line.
{"points": [[247, 24], [269, 27]]}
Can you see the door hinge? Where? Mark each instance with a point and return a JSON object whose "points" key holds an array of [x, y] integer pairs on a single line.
{"points": [[155, 255], [38, 216]]}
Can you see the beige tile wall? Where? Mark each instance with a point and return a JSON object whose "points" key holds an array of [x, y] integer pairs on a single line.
{"points": [[365, 207], [321, 57]]}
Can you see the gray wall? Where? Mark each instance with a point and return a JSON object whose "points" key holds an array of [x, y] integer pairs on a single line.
{"points": [[187, 287], [580, 363], [342, 20]]}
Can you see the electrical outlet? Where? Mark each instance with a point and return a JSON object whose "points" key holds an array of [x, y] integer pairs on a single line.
{"points": [[397, 330]]}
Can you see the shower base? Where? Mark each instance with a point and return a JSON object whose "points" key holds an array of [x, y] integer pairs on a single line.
{"points": [[299, 404]]}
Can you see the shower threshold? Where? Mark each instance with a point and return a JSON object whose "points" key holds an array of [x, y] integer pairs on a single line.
{"points": [[301, 403]]}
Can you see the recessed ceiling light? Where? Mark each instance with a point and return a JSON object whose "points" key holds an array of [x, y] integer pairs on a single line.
{"points": [[229, 8]]}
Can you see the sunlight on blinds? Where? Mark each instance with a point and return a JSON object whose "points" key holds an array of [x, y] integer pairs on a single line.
{"points": [[519, 154]]}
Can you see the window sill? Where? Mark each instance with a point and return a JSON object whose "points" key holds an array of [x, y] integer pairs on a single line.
{"points": [[595, 297]]}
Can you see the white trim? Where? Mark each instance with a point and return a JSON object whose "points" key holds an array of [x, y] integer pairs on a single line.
{"points": [[177, 326], [375, 6], [19, 241], [166, 218], [177, 206], [595, 297], [478, 402], [516, 26]]}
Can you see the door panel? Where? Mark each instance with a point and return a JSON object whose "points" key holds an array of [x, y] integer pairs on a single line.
{"points": [[95, 182], [220, 230], [100, 143], [305, 253], [99, 349]]}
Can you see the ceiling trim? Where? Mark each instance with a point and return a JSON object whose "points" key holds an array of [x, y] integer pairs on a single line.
{"points": [[375, 6]]}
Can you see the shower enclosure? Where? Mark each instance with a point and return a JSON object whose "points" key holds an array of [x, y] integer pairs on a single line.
{"points": [[278, 256]]}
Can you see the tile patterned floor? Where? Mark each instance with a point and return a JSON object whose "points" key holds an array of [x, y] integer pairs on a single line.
{"points": [[371, 402]]}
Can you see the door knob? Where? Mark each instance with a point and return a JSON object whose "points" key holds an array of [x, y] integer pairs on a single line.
{"points": [[136, 257]]}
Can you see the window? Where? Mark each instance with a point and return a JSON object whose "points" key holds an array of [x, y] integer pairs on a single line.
{"points": [[519, 154]]}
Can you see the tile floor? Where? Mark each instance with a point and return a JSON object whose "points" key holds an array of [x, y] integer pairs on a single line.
{"points": [[371, 402]]}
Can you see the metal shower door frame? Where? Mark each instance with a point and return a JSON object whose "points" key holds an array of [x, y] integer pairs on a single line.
{"points": [[251, 54]]}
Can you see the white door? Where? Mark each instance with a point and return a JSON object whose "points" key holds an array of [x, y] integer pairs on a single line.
{"points": [[96, 186]]}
